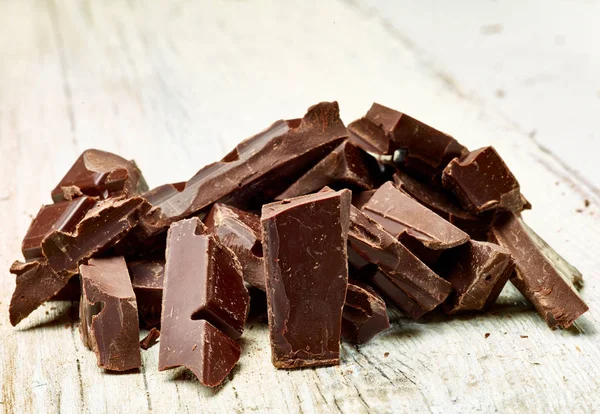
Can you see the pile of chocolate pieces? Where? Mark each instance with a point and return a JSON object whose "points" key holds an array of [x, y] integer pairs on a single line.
{"points": [[331, 222]]}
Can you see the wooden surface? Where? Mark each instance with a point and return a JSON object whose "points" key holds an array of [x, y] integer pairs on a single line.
{"points": [[176, 84]]}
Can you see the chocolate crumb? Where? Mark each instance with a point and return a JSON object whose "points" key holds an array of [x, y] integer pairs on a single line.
{"points": [[524, 336], [579, 210], [487, 335], [586, 203], [386, 354], [577, 348], [150, 339]]}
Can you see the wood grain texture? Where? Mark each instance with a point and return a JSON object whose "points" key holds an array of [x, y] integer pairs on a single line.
{"points": [[175, 85]]}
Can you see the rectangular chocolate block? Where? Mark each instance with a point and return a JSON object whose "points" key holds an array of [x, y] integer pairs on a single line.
{"points": [[62, 216], [365, 314], [240, 231], [147, 278], [100, 174], [202, 281], [384, 130], [258, 169], [398, 213], [109, 315], [402, 277], [542, 276], [347, 166], [481, 181], [305, 242], [102, 226], [478, 276]]}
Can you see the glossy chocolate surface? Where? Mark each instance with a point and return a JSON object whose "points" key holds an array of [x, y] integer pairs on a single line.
{"points": [[305, 242]]}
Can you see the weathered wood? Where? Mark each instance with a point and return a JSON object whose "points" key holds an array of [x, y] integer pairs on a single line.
{"points": [[176, 85]]}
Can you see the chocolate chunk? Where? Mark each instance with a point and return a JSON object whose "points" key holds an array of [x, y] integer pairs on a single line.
{"points": [[40, 280], [202, 281], [305, 242], [108, 313], [62, 216], [364, 315], [481, 271], [482, 181], [445, 206], [347, 166], [240, 231], [398, 213], [542, 276], [258, 169], [150, 339], [384, 130], [147, 280], [411, 285], [100, 174]]}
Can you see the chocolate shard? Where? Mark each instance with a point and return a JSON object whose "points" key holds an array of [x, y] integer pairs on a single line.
{"points": [[407, 281], [542, 276], [202, 280], [445, 206], [398, 213], [100, 174], [147, 278], [479, 275], [364, 315], [258, 169], [481, 181], [109, 316], [41, 280], [347, 166], [62, 216], [105, 224], [384, 130], [240, 231], [150, 339], [306, 268]]}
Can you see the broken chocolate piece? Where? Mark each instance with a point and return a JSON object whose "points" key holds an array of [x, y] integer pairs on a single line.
{"points": [[147, 281], [398, 213], [102, 226], [240, 231], [444, 205], [384, 130], [62, 216], [108, 313], [411, 285], [481, 181], [479, 275], [258, 169], [202, 280], [364, 315], [306, 268], [100, 174], [347, 166], [542, 276], [150, 339]]}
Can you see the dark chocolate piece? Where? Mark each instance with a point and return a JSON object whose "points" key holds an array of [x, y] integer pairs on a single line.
{"points": [[481, 181], [147, 280], [108, 313], [384, 130], [202, 280], [100, 174], [399, 213], [347, 166], [542, 276], [428, 256], [240, 231], [364, 315], [305, 242], [102, 226], [150, 339], [62, 216], [258, 169], [479, 275], [411, 285], [445, 206], [359, 199]]}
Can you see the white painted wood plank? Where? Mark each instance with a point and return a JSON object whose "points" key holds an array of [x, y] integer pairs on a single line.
{"points": [[175, 86]]}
